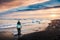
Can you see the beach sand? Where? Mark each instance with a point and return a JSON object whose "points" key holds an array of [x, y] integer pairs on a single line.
{"points": [[9, 33], [6, 35]]}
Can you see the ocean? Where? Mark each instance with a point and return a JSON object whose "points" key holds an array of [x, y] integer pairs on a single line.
{"points": [[28, 26]]}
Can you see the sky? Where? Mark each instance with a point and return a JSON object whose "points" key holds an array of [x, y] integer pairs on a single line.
{"points": [[29, 9], [15, 3]]}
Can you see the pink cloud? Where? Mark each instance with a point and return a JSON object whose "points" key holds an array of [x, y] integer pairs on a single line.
{"points": [[44, 14], [16, 3]]}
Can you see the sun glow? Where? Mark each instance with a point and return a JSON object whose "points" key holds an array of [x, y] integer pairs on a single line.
{"points": [[53, 15]]}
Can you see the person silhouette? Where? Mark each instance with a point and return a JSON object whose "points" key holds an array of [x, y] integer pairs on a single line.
{"points": [[19, 28]]}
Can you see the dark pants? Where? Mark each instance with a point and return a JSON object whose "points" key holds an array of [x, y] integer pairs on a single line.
{"points": [[19, 31]]}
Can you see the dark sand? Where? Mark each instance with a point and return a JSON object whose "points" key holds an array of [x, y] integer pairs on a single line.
{"points": [[6, 35], [43, 35]]}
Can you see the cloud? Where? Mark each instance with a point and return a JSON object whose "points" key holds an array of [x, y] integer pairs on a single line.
{"points": [[43, 14], [45, 5], [50, 6], [4, 1], [15, 3]]}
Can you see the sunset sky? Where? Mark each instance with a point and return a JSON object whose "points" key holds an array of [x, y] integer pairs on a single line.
{"points": [[29, 9]]}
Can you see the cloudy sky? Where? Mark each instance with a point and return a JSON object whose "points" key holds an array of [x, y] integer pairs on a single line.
{"points": [[5, 4], [29, 9]]}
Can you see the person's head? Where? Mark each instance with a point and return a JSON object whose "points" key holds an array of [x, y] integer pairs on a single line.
{"points": [[19, 23]]}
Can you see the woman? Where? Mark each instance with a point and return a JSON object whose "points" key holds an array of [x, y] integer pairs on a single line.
{"points": [[19, 27]]}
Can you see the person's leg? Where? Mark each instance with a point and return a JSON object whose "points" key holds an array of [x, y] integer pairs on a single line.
{"points": [[19, 31]]}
